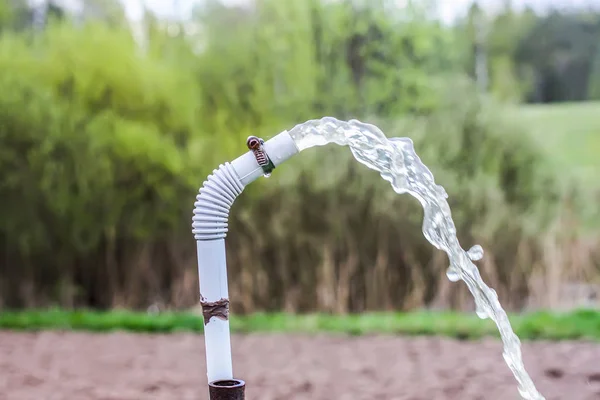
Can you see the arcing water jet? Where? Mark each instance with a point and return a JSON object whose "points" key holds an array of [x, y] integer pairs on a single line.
{"points": [[398, 164]]}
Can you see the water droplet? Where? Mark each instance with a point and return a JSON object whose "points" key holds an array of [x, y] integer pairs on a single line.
{"points": [[481, 311], [452, 274], [475, 253], [482, 314]]}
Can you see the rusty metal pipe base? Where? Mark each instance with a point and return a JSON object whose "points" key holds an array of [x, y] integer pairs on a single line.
{"points": [[229, 389]]}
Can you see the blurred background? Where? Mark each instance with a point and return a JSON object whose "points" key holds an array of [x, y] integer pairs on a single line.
{"points": [[113, 113]]}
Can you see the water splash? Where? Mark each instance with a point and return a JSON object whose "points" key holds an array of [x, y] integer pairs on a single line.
{"points": [[395, 159]]}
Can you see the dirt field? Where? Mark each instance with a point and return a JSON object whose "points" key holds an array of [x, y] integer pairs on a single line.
{"points": [[76, 366]]}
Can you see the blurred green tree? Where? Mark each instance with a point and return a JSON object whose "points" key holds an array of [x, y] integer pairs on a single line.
{"points": [[105, 140]]}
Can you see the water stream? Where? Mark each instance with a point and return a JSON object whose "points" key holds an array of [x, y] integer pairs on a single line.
{"points": [[397, 162]]}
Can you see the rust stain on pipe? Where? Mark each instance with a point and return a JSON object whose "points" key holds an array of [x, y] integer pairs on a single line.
{"points": [[233, 389], [218, 309]]}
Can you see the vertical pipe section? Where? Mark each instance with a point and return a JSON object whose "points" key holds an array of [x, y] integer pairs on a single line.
{"points": [[209, 226], [214, 298]]}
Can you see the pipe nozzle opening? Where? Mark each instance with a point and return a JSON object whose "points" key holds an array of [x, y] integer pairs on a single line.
{"points": [[228, 389]]}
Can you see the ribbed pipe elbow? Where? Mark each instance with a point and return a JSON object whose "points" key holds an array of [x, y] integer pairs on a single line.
{"points": [[213, 202]]}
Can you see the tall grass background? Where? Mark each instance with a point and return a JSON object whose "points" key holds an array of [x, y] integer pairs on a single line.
{"points": [[105, 141]]}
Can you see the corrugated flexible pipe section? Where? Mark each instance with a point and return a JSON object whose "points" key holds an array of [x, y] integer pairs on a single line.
{"points": [[213, 202]]}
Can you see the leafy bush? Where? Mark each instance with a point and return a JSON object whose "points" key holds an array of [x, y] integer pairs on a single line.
{"points": [[104, 146], [95, 155]]}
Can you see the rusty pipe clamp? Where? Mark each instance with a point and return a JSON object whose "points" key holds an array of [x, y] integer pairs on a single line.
{"points": [[256, 146]]}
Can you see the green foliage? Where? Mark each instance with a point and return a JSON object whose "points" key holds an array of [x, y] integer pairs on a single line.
{"points": [[594, 89], [535, 58], [105, 142], [97, 147], [5, 13], [570, 42], [91, 142], [580, 324]]}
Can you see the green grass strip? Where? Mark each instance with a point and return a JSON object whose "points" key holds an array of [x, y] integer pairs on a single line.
{"points": [[582, 324]]}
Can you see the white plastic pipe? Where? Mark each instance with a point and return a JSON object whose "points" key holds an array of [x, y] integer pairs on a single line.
{"points": [[212, 269], [211, 212]]}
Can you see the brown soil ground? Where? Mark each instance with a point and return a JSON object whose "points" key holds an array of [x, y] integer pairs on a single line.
{"points": [[77, 366]]}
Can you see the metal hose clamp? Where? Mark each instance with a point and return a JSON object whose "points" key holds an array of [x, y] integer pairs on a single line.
{"points": [[256, 146]]}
